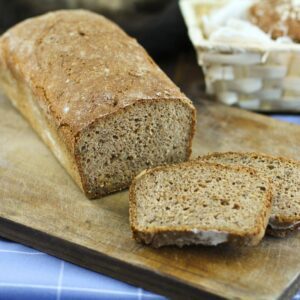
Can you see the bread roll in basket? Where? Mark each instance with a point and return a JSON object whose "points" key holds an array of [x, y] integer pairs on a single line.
{"points": [[250, 73]]}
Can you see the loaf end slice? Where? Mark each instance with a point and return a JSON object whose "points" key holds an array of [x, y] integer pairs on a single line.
{"points": [[199, 203], [113, 150], [284, 176]]}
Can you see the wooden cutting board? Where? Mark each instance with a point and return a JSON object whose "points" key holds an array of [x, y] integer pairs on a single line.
{"points": [[40, 206]]}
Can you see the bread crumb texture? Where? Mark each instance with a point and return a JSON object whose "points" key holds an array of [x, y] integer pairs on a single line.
{"points": [[207, 201], [284, 175]]}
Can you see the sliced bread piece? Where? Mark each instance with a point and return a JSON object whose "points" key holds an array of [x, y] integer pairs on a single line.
{"points": [[199, 203], [283, 174]]}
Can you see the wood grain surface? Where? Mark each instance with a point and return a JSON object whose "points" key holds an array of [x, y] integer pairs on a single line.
{"points": [[41, 206]]}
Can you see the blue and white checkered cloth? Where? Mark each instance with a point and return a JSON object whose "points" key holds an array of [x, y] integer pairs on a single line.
{"points": [[29, 274]]}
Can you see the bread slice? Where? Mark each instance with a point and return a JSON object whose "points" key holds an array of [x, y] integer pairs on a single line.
{"points": [[284, 175], [95, 97], [199, 203]]}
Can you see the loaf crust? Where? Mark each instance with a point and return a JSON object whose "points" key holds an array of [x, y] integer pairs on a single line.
{"points": [[158, 237], [65, 71]]}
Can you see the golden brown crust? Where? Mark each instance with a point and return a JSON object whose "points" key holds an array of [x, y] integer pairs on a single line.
{"points": [[253, 154], [80, 68], [153, 236], [192, 131]]}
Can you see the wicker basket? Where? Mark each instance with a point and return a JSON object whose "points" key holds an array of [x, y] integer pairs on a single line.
{"points": [[252, 76]]}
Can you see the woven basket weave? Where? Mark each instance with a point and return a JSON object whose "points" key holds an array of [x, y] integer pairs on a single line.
{"points": [[252, 76]]}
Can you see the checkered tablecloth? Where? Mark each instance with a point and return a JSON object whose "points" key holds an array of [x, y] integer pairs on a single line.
{"points": [[28, 274]]}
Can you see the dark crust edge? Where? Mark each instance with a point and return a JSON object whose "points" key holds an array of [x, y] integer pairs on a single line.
{"points": [[183, 100], [251, 238], [279, 218], [281, 233]]}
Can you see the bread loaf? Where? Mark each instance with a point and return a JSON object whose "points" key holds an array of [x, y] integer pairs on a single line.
{"points": [[95, 98], [283, 174], [277, 17], [199, 203]]}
